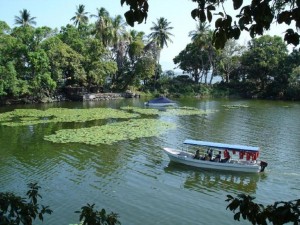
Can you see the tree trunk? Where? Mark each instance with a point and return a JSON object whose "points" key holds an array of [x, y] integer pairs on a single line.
{"points": [[212, 76]]}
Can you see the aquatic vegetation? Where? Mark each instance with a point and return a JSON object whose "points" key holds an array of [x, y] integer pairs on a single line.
{"points": [[184, 111], [235, 106], [111, 133], [23, 117], [167, 111], [145, 111]]}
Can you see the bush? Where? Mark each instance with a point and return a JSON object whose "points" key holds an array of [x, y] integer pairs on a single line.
{"points": [[279, 213], [15, 210], [89, 216]]}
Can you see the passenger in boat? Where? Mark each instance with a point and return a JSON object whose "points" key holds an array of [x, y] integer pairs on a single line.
{"points": [[206, 157], [226, 156], [197, 154], [218, 157], [210, 153]]}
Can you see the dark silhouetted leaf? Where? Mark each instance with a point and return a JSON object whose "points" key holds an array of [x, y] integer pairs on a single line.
{"points": [[237, 4], [237, 216], [236, 33], [218, 23], [202, 16], [211, 7], [194, 13], [129, 15], [227, 21], [209, 15]]}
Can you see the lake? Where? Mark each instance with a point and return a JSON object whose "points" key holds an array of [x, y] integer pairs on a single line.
{"points": [[136, 179]]}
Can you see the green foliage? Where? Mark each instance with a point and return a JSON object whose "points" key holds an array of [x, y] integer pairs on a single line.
{"points": [[90, 216], [261, 62], [228, 61], [41, 62], [66, 63], [199, 57], [4, 28], [41, 84], [183, 85], [8, 80], [136, 49], [192, 60], [279, 213], [145, 68], [15, 210], [94, 63]]}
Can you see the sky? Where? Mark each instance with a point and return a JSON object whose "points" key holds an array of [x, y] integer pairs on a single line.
{"points": [[57, 13]]}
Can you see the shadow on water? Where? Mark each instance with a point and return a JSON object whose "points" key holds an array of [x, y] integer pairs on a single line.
{"points": [[207, 181]]}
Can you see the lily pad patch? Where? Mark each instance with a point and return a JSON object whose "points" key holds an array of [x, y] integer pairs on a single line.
{"points": [[111, 133]]}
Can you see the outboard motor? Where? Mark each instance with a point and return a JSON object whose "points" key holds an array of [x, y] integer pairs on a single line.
{"points": [[263, 165]]}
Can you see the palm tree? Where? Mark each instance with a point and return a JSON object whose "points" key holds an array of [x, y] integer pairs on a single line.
{"points": [[102, 25], [80, 17], [135, 44], [135, 35], [118, 30], [160, 36], [202, 37], [25, 19], [201, 30], [119, 40]]}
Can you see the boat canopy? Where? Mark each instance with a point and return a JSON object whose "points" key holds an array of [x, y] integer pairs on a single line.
{"points": [[161, 100], [222, 145]]}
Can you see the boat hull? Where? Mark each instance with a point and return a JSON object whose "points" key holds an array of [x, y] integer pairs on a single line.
{"points": [[187, 159], [159, 104]]}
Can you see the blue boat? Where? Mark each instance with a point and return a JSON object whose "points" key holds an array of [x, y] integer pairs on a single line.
{"points": [[161, 101]]}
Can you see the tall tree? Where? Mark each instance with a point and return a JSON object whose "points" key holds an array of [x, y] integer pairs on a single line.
{"points": [[160, 36], [96, 65], [102, 25], [229, 60], [262, 61], [118, 27], [192, 60], [136, 44], [161, 32], [201, 29], [80, 17], [25, 19], [202, 37]]}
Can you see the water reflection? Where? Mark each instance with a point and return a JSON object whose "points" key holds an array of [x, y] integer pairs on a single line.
{"points": [[207, 181]]}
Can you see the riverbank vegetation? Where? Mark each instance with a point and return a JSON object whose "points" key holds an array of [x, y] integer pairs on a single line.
{"points": [[97, 53]]}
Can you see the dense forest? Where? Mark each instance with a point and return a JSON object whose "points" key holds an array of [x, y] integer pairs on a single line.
{"points": [[41, 63]]}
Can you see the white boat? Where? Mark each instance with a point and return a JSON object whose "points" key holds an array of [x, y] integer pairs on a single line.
{"points": [[241, 158], [161, 101]]}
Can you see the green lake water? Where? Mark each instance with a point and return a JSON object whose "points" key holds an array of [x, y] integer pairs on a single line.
{"points": [[135, 178]]}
